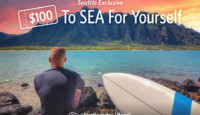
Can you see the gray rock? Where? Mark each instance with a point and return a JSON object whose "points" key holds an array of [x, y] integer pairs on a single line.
{"points": [[24, 110], [7, 98], [9, 105], [105, 101], [88, 98], [190, 86]]}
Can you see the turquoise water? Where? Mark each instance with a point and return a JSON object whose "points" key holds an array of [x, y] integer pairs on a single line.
{"points": [[174, 65]]}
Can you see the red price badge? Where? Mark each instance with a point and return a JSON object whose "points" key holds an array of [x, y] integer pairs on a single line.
{"points": [[36, 17]]}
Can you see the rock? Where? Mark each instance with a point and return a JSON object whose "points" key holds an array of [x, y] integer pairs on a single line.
{"points": [[185, 88], [15, 109], [24, 84], [188, 82], [100, 85], [88, 98], [9, 105], [7, 98], [24, 110], [198, 92], [189, 85], [105, 101], [165, 82], [198, 82]]}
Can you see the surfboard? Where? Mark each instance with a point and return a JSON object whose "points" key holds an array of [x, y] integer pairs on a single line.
{"points": [[135, 95]]}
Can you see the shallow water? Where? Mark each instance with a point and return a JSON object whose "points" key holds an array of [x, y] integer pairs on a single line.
{"points": [[174, 65]]}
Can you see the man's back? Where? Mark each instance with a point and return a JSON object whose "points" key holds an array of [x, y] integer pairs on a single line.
{"points": [[56, 88]]}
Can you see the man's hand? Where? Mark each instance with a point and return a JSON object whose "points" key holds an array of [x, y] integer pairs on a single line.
{"points": [[77, 98]]}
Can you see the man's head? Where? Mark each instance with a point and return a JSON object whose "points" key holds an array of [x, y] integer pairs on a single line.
{"points": [[57, 57]]}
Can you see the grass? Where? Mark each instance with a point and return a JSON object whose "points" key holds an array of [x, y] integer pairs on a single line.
{"points": [[131, 47]]}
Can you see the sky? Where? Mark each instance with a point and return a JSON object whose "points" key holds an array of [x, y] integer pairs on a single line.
{"points": [[9, 22]]}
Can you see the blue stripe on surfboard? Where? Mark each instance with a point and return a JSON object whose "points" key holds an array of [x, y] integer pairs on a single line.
{"points": [[182, 105]]}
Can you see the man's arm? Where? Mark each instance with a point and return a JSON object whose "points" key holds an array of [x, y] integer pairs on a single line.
{"points": [[77, 98], [80, 82], [79, 85]]}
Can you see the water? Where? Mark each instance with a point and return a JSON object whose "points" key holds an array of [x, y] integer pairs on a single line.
{"points": [[174, 65]]}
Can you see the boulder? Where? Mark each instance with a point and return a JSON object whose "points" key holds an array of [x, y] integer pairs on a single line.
{"points": [[184, 88], [88, 98], [105, 101], [7, 98], [24, 110], [9, 105], [190, 86]]}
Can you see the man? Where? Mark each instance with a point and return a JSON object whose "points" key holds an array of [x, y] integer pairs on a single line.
{"points": [[57, 87]]}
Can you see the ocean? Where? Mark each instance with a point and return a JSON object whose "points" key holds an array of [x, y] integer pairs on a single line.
{"points": [[91, 65]]}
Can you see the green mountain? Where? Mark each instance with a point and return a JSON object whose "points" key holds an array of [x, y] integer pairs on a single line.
{"points": [[4, 35], [93, 34]]}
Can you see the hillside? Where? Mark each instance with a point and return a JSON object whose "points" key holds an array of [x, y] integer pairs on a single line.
{"points": [[4, 35], [95, 34]]}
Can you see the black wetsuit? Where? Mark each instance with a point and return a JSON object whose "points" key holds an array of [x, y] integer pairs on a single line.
{"points": [[56, 88]]}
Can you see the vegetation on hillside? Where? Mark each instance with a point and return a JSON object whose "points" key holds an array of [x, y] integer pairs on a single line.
{"points": [[131, 47]]}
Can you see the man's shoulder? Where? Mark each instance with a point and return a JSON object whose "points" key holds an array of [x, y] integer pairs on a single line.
{"points": [[49, 72], [43, 73], [52, 70], [71, 72]]}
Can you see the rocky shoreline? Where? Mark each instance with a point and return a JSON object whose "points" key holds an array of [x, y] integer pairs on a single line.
{"points": [[188, 87], [89, 101]]}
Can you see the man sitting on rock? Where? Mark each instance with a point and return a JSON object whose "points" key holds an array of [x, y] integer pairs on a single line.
{"points": [[57, 86]]}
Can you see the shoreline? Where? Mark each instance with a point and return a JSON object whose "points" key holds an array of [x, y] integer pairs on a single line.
{"points": [[108, 47], [27, 96], [100, 50]]}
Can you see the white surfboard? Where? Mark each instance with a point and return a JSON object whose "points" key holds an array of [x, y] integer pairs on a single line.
{"points": [[140, 96]]}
